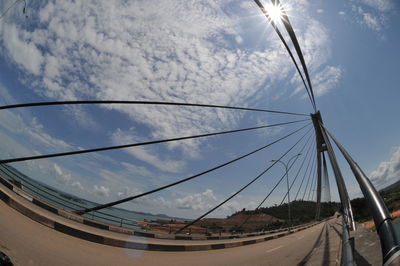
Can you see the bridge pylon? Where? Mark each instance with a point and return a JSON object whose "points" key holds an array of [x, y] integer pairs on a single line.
{"points": [[323, 145], [383, 221]]}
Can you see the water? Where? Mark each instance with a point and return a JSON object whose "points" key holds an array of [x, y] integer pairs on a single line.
{"points": [[70, 203]]}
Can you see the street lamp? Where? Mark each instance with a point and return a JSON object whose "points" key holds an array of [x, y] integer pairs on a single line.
{"points": [[287, 179]]}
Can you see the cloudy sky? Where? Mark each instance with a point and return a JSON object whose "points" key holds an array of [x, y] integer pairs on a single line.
{"points": [[210, 52]]}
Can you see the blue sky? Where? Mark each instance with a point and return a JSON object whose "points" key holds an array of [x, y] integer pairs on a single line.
{"points": [[216, 52]]}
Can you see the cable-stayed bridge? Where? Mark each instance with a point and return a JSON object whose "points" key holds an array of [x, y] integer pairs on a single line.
{"points": [[311, 150]]}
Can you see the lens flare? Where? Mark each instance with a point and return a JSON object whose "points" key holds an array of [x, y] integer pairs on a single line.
{"points": [[274, 12]]}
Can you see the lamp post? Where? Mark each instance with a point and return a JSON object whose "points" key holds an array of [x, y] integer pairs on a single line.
{"points": [[287, 179]]}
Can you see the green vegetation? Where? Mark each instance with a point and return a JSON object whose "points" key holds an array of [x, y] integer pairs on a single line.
{"points": [[391, 196], [301, 212]]}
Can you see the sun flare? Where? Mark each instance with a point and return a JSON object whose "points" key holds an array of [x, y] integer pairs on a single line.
{"points": [[274, 12]]}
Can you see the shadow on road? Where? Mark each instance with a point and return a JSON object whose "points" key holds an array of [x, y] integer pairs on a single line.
{"points": [[326, 257], [316, 244]]}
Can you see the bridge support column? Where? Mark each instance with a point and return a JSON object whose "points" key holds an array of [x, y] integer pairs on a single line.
{"points": [[323, 144], [319, 153]]}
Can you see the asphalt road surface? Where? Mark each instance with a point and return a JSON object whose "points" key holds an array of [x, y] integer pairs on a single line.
{"points": [[27, 242]]}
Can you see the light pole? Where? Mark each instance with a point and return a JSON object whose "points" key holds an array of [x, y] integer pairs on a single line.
{"points": [[287, 179]]}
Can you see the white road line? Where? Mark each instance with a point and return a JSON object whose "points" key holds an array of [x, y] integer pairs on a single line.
{"points": [[300, 237], [268, 251]]}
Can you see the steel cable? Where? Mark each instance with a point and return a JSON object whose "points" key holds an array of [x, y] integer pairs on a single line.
{"points": [[110, 204], [20, 159], [261, 6], [305, 174], [240, 190], [276, 185], [36, 104]]}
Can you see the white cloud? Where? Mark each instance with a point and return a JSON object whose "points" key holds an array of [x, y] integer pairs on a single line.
{"points": [[31, 130], [381, 5], [144, 154], [58, 169], [387, 172], [372, 21], [326, 80], [372, 14], [22, 51], [198, 201], [77, 184], [151, 50], [126, 192], [234, 206], [136, 170], [101, 191], [115, 50]]}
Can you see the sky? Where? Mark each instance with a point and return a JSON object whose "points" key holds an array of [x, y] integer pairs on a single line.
{"points": [[208, 52]]}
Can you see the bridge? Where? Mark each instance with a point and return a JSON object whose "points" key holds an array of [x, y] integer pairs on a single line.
{"points": [[104, 239]]}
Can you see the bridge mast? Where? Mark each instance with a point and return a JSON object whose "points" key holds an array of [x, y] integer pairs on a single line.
{"points": [[323, 144]]}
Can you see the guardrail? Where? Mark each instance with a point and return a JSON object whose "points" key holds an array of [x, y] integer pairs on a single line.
{"points": [[53, 198], [347, 246]]}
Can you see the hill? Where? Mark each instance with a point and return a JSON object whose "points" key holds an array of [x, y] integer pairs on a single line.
{"points": [[232, 223], [390, 195], [395, 187], [269, 217]]}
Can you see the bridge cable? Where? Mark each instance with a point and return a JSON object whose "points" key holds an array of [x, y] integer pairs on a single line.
{"points": [[326, 179], [290, 30], [305, 174], [141, 143], [11, 6], [314, 184], [243, 188], [297, 174], [295, 178], [261, 6], [309, 179], [110, 204], [276, 185], [35, 104]]}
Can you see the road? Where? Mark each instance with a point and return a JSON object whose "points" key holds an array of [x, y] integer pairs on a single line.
{"points": [[27, 242]]}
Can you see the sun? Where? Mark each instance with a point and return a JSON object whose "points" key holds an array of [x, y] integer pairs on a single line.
{"points": [[274, 12]]}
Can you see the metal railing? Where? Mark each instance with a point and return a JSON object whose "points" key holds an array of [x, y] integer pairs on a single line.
{"points": [[347, 245], [38, 191], [383, 221]]}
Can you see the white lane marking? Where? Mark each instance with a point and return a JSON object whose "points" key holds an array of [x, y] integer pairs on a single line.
{"points": [[300, 237], [268, 251]]}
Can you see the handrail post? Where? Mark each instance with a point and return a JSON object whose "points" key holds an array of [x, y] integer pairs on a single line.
{"points": [[383, 221]]}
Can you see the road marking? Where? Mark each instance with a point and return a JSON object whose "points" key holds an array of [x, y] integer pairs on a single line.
{"points": [[268, 251], [300, 237]]}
